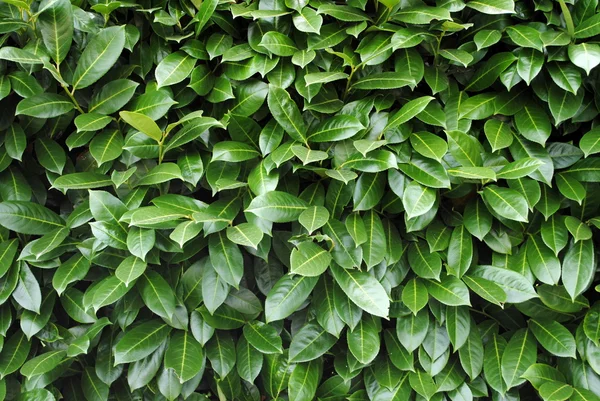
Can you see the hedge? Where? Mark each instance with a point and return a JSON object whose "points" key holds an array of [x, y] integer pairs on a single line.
{"points": [[299, 200]]}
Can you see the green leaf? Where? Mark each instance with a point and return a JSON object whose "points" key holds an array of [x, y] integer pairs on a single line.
{"points": [[336, 128], [142, 123], [286, 113], [226, 258], [464, 148], [323, 77], [249, 360], [108, 291], [287, 295], [307, 20], [173, 69], [424, 263], [309, 343], [8, 251], [422, 383], [554, 337], [364, 341], [278, 44], [18, 55], [184, 355], [342, 13], [530, 61], [477, 220], [544, 264], [408, 111], [304, 380], [205, 11], [539, 374], [49, 242], [429, 145], [566, 76], [92, 385], [486, 75], [383, 80], [563, 105], [407, 37], [313, 218], [356, 228], [28, 218], [590, 142], [555, 391], [570, 188], [56, 26], [363, 289], [471, 354], [141, 341], [15, 141], [130, 269], [44, 105], [520, 353], [190, 132], [14, 353], [43, 363], [374, 249], [578, 267], [157, 294], [506, 202], [417, 199], [519, 168], [415, 295], [517, 287], [449, 291], [585, 55], [246, 234], [578, 229], [344, 252], [478, 107], [113, 96], [329, 35], [458, 56], [107, 146], [492, 362], [493, 6], [276, 206], [50, 155], [460, 251], [421, 15], [10, 25], [82, 181], [74, 269], [91, 122], [525, 36], [162, 173], [99, 56], [458, 325], [426, 172], [309, 259], [263, 337], [232, 151]]}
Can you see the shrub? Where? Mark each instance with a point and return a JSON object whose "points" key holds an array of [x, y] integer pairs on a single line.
{"points": [[273, 199]]}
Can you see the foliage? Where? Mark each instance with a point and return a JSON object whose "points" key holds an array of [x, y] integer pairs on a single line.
{"points": [[294, 200]]}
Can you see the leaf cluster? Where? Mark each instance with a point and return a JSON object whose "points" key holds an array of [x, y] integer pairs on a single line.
{"points": [[299, 200]]}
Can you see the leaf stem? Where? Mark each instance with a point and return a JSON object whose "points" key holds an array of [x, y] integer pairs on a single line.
{"points": [[568, 18], [439, 44], [347, 90], [31, 18], [72, 96], [161, 153]]}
